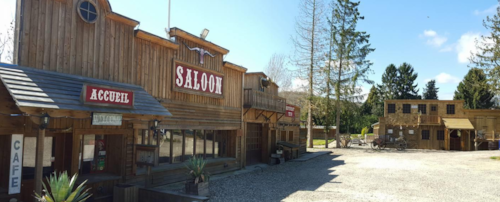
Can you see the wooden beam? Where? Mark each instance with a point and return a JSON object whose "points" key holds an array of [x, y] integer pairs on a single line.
{"points": [[40, 141], [156, 39], [183, 34], [120, 18]]}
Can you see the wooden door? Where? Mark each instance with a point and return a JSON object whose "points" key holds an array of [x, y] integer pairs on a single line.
{"points": [[254, 143], [455, 141]]}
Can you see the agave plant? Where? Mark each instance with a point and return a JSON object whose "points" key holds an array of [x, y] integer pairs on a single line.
{"points": [[60, 189], [196, 167]]}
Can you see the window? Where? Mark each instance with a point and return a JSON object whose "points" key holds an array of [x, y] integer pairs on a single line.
{"points": [[391, 108], [440, 135], [164, 145], [283, 136], [450, 109], [290, 136], [100, 153], [87, 11], [188, 144], [29, 156], [389, 131], [422, 108], [210, 143], [425, 134], [433, 108], [177, 143], [406, 108]]}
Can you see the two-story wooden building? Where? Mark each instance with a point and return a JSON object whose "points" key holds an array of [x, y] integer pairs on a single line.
{"points": [[92, 95], [437, 124], [267, 119]]}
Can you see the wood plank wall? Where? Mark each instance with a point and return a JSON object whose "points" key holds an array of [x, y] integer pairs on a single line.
{"points": [[252, 81], [55, 38]]}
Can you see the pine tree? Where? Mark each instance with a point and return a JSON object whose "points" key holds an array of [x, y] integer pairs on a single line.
{"points": [[406, 78], [430, 91], [389, 83], [373, 104], [475, 90], [488, 54], [351, 49]]}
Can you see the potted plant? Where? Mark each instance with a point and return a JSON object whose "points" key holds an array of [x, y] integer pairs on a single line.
{"points": [[60, 189], [198, 184]]}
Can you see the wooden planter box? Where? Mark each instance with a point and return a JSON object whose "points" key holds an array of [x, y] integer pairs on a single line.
{"points": [[200, 189], [125, 193]]}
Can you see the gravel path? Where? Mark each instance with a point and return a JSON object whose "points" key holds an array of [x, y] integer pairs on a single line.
{"points": [[367, 175]]}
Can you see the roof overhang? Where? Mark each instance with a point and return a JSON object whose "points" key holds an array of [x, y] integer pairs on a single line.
{"points": [[186, 35], [156, 39], [458, 124], [32, 88]]}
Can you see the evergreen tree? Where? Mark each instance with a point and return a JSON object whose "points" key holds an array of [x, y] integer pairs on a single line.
{"points": [[430, 91], [488, 54], [389, 83], [475, 90], [406, 78], [350, 50], [373, 104]]}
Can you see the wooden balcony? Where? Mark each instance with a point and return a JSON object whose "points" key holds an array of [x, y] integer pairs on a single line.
{"points": [[264, 101], [429, 120]]}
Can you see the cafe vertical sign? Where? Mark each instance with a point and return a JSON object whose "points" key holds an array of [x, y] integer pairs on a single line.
{"points": [[16, 160]]}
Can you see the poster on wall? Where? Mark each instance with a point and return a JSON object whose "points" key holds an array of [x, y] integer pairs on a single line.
{"points": [[16, 160], [290, 111]]}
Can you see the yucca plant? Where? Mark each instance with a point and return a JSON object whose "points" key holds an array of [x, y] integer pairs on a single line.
{"points": [[196, 167], [60, 189]]}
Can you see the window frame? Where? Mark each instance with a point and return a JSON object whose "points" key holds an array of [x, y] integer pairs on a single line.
{"points": [[422, 108], [433, 108], [450, 109], [391, 108], [440, 133], [426, 135], [85, 19], [406, 108]]}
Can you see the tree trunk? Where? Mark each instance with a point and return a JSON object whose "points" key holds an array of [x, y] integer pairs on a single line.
{"points": [[311, 71]]}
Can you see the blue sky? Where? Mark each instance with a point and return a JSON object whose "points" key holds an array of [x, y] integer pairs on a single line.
{"points": [[435, 37]]}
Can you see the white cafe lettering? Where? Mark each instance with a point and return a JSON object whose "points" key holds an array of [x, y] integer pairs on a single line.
{"points": [[213, 82], [109, 95]]}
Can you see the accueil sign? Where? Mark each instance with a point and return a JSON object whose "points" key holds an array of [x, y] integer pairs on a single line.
{"points": [[16, 160], [197, 81]]}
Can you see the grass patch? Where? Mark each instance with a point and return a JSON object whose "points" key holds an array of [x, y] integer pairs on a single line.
{"points": [[321, 141], [495, 158]]}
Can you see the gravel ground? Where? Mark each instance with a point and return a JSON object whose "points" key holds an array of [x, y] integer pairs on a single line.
{"points": [[365, 175]]}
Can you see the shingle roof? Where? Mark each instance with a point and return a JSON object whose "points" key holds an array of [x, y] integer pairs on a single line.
{"points": [[31, 87]]}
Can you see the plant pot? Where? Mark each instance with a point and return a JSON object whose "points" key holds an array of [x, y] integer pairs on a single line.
{"points": [[200, 189]]}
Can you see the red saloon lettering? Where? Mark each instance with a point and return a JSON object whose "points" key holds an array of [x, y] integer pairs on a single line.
{"points": [[197, 80], [96, 95]]}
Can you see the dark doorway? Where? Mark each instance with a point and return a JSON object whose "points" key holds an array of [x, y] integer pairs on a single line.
{"points": [[455, 141], [254, 143]]}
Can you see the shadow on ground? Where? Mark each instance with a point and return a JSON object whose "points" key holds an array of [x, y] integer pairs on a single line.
{"points": [[277, 182]]}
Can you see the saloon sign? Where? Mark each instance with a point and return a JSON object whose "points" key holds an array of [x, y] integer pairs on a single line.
{"points": [[107, 96], [195, 80], [290, 111]]}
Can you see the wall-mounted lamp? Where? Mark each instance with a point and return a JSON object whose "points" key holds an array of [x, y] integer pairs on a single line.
{"points": [[155, 124], [44, 121], [204, 33]]}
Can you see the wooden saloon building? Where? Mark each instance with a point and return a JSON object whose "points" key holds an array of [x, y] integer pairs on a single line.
{"points": [[439, 124], [90, 94]]}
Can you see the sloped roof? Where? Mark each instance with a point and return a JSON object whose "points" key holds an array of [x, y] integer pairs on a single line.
{"points": [[31, 87], [452, 123]]}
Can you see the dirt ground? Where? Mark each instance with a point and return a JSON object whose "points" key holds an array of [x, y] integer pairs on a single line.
{"points": [[361, 174]]}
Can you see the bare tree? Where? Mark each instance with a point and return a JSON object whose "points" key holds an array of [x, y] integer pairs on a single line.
{"points": [[7, 43], [278, 72], [308, 47]]}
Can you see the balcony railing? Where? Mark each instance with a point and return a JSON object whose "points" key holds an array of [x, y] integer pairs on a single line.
{"points": [[264, 101], [429, 119]]}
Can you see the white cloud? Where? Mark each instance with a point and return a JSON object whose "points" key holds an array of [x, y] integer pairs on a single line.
{"points": [[466, 46], [488, 11], [433, 38], [446, 96], [299, 84], [445, 78]]}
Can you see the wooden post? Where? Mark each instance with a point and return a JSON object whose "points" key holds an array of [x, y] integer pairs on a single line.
{"points": [[476, 144], [40, 141]]}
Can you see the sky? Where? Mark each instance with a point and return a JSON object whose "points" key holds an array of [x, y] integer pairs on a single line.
{"points": [[435, 37]]}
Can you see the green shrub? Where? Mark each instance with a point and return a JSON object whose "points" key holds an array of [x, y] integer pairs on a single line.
{"points": [[364, 131], [60, 189], [196, 168]]}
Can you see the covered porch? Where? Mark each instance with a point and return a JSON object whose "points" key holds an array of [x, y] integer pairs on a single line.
{"points": [[458, 134]]}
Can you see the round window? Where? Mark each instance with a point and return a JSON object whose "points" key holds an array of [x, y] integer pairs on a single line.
{"points": [[87, 11]]}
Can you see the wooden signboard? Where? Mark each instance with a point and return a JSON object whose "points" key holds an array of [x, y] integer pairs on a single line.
{"points": [[107, 96], [190, 79], [290, 111], [16, 160], [147, 155], [106, 119]]}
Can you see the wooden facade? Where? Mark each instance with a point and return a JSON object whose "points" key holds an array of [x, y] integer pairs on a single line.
{"points": [[52, 35], [437, 124], [265, 121]]}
